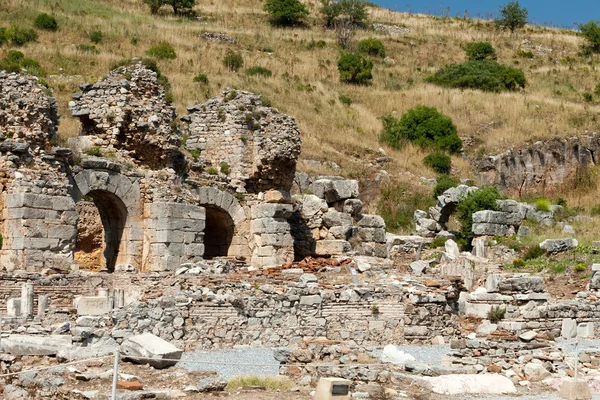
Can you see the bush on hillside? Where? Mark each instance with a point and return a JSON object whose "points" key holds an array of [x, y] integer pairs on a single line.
{"points": [[481, 199], [96, 37], [201, 78], [512, 16], [479, 51], [154, 5], [423, 126], [354, 68], [444, 182], [439, 162], [352, 11], [46, 22], [17, 36], [14, 61], [233, 61], [286, 12], [372, 47], [162, 51], [533, 253], [482, 75], [542, 205], [262, 71], [591, 32]]}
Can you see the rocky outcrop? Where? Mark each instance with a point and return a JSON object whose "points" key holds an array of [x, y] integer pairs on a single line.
{"points": [[541, 167], [127, 111], [255, 145]]}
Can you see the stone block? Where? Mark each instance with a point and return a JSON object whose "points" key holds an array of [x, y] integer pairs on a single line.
{"points": [[585, 330], [335, 218], [370, 221], [335, 190], [340, 232], [150, 349], [30, 345], [485, 229], [575, 390], [312, 205], [310, 300], [13, 307], [62, 203], [270, 225], [558, 245], [376, 235], [93, 305], [332, 247], [568, 328], [349, 206], [497, 217], [332, 389], [271, 211]]}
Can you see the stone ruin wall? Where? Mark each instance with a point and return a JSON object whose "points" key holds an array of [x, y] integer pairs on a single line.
{"points": [[540, 168]]}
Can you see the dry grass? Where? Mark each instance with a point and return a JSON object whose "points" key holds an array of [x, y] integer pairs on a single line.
{"points": [[268, 382], [305, 81]]}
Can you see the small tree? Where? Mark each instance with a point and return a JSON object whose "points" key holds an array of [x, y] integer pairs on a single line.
{"points": [[330, 10], [286, 12], [162, 51], [439, 162], [481, 199], [513, 16], [181, 6], [479, 51], [591, 32], [355, 68], [154, 5], [46, 22], [354, 10]]}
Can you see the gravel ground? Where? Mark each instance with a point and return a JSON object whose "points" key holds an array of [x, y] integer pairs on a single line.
{"points": [[215, 361]]}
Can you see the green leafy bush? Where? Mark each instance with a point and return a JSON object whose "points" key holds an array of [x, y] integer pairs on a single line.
{"points": [[18, 36], [482, 75], [439, 241], [88, 48], [444, 182], [162, 51], [286, 12], [262, 71], [479, 51], [354, 68], [96, 37], [398, 203], [481, 199], [201, 78], [533, 253], [512, 16], [439, 162], [345, 100], [424, 126], [496, 314], [233, 61], [542, 205], [580, 267], [225, 168], [353, 11], [46, 22], [95, 151], [595, 210], [591, 32], [14, 61], [372, 47]]}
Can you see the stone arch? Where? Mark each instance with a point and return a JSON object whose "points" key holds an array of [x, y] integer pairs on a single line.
{"points": [[117, 198], [227, 227]]}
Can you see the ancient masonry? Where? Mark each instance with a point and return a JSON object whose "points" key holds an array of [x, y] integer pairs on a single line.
{"points": [[161, 204]]}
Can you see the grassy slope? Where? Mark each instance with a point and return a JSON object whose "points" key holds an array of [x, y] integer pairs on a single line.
{"points": [[551, 105]]}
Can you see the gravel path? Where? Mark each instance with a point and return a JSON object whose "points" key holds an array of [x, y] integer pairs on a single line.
{"points": [[237, 356]]}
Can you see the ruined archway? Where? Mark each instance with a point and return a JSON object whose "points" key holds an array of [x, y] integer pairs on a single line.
{"points": [[218, 233]]}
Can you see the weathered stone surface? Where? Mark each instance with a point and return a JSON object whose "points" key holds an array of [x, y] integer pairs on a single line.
{"points": [[535, 372], [93, 305], [101, 348], [30, 345], [335, 190], [575, 390], [459, 384], [150, 349], [558, 245], [332, 247]]}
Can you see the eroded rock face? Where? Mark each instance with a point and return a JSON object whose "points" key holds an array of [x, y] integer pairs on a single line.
{"points": [[539, 167], [255, 145], [127, 111], [27, 113]]}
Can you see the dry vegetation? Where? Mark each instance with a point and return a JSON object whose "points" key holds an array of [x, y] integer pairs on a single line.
{"points": [[305, 80]]}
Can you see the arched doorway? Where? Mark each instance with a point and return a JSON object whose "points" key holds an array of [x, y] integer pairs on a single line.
{"points": [[218, 233]]}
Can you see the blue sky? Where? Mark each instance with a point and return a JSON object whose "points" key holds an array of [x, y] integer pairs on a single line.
{"points": [[552, 12]]}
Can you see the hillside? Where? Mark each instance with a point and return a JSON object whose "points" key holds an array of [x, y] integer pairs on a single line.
{"points": [[305, 81]]}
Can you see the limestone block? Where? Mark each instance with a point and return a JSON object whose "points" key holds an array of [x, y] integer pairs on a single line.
{"points": [[327, 386], [270, 225], [335, 190], [93, 305], [271, 211], [485, 229], [575, 390], [514, 283], [477, 310], [332, 247], [63, 203], [336, 218], [277, 196], [535, 372], [310, 300], [585, 330], [277, 240], [311, 205], [376, 235], [568, 328], [452, 249], [340, 232], [349, 206], [13, 307], [150, 349], [30, 345], [558, 245], [370, 221], [497, 217], [194, 250], [460, 384]]}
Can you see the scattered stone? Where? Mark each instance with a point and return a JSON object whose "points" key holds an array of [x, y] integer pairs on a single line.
{"points": [[150, 349]]}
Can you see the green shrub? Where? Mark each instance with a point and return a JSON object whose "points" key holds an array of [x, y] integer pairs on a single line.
{"points": [[439, 241], [423, 126], [439, 162], [87, 48], [19, 36], [533, 253], [15, 61], [195, 153], [512, 16], [372, 47], [286, 12], [398, 203], [46, 22], [444, 182], [496, 314], [353, 11], [162, 51], [481, 199], [518, 263], [482, 75], [201, 78], [580, 267], [345, 100], [262, 71], [233, 61], [96, 37], [479, 51], [212, 171], [588, 97], [354, 68], [595, 210], [542, 205], [93, 151], [225, 168], [1, 241], [526, 54], [591, 32]]}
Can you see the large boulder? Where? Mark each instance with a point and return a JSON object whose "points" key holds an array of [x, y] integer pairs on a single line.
{"points": [[150, 349], [31, 345], [558, 245]]}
